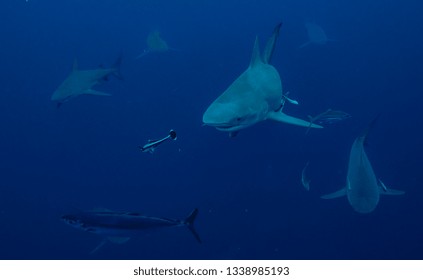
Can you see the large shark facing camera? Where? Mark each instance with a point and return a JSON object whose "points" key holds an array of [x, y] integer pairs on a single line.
{"points": [[255, 96]]}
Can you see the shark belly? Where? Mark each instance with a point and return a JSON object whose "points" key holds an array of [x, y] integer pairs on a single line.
{"points": [[362, 187]]}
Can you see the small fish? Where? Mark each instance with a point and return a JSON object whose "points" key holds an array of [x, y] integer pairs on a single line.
{"points": [[119, 227], [152, 144], [304, 180], [328, 117]]}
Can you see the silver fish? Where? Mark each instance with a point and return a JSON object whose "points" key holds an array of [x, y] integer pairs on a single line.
{"points": [[328, 117], [152, 144], [119, 227]]}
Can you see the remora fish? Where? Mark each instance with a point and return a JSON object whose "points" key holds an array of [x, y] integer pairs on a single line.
{"points": [[362, 188], [118, 227], [80, 82], [152, 144], [255, 96]]}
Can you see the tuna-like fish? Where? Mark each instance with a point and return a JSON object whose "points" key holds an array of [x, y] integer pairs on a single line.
{"points": [[328, 117], [362, 188], [152, 144], [118, 227]]}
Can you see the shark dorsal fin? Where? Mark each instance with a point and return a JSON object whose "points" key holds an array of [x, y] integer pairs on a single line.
{"points": [[255, 57], [270, 46]]}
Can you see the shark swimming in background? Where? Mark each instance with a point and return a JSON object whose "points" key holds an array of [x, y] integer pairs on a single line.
{"points": [[255, 96], [362, 188], [316, 35], [155, 43], [81, 82], [152, 144], [119, 227]]}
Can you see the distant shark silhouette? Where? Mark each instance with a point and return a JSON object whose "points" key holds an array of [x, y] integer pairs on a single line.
{"points": [[80, 82], [155, 43], [316, 35], [255, 96], [363, 189]]}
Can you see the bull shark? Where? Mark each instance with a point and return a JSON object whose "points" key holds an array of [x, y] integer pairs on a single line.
{"points": [[362, 188], [119, 227], [316, 35], [255, 96], [80, 82], [155, 43]]}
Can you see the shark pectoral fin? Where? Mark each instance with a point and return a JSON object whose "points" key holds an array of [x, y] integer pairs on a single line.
{"points": [[336, 194], [98, 246], [305, 44], [281, 117], [392, 192], [96, 92], [386, 191], [118, 240]]}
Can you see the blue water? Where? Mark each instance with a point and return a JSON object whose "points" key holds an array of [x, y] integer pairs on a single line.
{"points": [[251, 203]]}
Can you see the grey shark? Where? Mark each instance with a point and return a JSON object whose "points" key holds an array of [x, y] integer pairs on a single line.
{"points": [[362, 188], [155, 44], [255, 96], [81, 82], [316, 35], [119, 227]]}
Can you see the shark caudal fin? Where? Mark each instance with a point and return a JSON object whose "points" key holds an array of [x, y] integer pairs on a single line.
{"points": [[116, 66], [189, 222]]}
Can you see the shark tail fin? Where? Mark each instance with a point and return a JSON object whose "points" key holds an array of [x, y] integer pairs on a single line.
{"points": [[336, 194], [117, 66], [255, 57], [270, 46], [368, 128], [189, 222]]}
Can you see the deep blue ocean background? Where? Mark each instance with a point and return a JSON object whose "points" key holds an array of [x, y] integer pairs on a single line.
{"points": [[251, 203]]}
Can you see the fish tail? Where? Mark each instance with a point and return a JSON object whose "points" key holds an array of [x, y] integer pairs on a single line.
{"points": [[116, 66], [368, 128], [189, 222]]}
